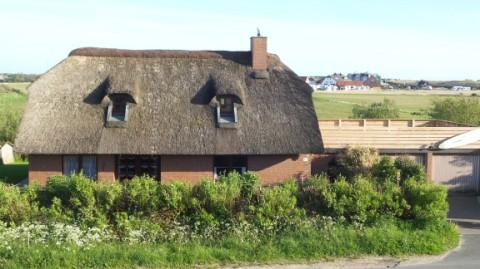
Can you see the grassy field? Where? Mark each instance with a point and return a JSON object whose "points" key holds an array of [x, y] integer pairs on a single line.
{"points": [[412, 105], [13, 173]]}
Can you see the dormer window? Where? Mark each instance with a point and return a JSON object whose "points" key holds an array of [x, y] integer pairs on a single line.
{"points": [[117, 113], [226, 111]]}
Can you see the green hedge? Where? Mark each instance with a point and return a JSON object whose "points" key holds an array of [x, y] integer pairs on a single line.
{"points": [[232, 198]]}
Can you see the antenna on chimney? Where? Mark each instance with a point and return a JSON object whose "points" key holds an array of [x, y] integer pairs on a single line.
{"points": [[258, 32]]}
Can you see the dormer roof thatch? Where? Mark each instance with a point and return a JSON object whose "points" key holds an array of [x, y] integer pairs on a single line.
{"points": [[171, 110]]}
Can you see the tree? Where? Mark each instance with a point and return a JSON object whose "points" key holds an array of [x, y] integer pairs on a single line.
{"points": [[461, 109], [377, 110]]}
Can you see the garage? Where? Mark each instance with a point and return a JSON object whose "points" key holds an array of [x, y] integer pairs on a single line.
{"points": [[459, 172], [456, 167]]}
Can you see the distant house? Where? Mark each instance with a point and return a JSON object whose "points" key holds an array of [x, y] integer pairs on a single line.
{"points": [[351, 85], [314, 82], [7, 153], [328, 84], [3, 77], [461, 88], [369, 79], [172, 115]]}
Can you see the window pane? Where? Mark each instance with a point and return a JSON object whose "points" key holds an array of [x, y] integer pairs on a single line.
{"points": [[89, 166], [70, 164], [226, 106], [119, 110]]}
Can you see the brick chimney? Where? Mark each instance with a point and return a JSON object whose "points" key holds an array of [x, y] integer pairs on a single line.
{"points": [[258, 48]]}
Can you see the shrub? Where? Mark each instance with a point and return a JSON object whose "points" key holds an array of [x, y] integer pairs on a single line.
{"points": [[277, 206], [141, 196], [357, 201], [174, 198], [377, 110], [109, 198], [428, 202], [14, 206], [216, 201], [355, 160], [74, 197], [385, 171], [392, 200], [314, 195], [459, 109], [410, 169]]}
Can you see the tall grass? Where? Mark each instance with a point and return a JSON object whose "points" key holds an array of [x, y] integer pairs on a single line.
{"points": [[387, 238]]}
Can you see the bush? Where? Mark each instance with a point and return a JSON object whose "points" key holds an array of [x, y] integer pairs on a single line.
{"points": [[392, 200], [141, 196], [216, 201], [174, 198], [14, 206], [377, 110], [357, 201], [74, 198], [385, 171], [458, 109], [427, 202], [410, 169], [277, 206], [315, 194], [354, 161]]}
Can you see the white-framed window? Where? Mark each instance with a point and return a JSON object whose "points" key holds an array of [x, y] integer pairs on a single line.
{"points": [[73, 164], [117, 111], [224, 164], [226, 110]]}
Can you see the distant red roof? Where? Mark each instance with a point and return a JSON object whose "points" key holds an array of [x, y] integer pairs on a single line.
{"points": [[344, 82]]}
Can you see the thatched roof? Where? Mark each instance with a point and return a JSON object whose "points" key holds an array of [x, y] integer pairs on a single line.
{"points": [[172, 111]]}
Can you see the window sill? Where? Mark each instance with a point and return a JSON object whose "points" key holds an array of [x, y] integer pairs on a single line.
{"points": [[115, 124]]}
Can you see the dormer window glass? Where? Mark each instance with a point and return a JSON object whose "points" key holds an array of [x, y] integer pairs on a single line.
{"points": [[117, 111], [226, 110]]}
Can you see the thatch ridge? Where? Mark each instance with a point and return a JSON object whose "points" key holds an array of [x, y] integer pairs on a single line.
{"points": [[172, 115]]}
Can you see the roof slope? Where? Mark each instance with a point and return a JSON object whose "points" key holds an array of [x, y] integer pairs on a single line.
{"points": [[172, 113], [391, 134]]}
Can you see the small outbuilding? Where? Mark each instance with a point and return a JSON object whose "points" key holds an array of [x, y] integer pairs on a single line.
{"points": [[457, 168], [7, 154]]}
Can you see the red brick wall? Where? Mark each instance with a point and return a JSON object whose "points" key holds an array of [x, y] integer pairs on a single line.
{"points": [[273, 169], [187, 168], [106, 167], [258, 47], [41, 167]]}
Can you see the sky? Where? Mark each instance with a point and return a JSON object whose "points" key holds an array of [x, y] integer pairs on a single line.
{"points": [[406, 39]]}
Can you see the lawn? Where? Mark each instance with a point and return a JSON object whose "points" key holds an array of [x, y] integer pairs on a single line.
{"points": [[293, 247], [339, 105], [19, 86], [13, 173]]}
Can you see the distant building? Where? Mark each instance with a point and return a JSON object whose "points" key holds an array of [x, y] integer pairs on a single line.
{"points": [[7, 154], [3, 77], [351, 85], [314, 82], [461, 88], [369, 79]]}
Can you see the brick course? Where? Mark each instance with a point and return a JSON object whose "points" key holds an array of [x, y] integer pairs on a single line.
{"points": [[41, 167], [274, 169], [186, 168], [106, 166], [258, 45]]}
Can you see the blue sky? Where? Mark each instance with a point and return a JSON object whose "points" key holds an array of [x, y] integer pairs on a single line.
{"points": [[417, 39]]}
